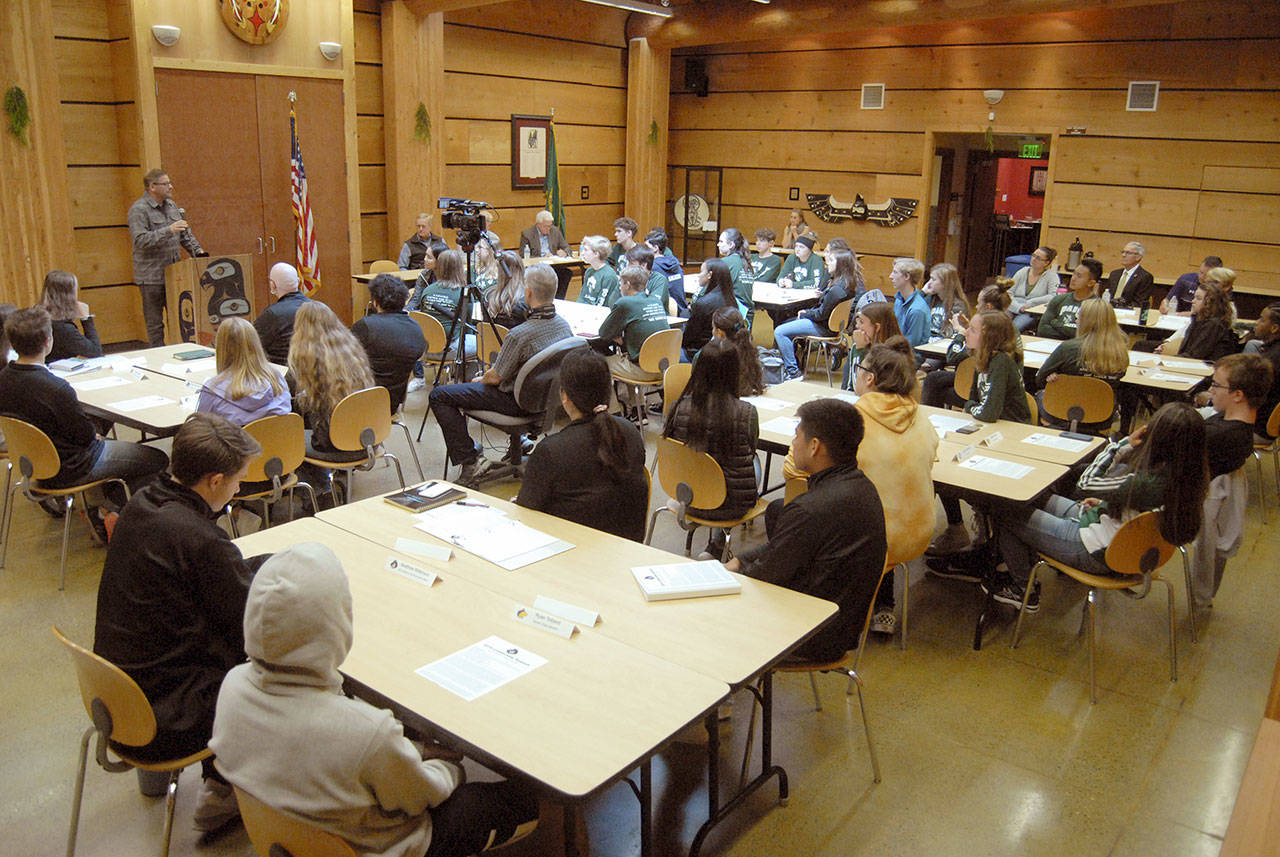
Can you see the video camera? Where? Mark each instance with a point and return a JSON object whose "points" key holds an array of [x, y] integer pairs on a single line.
{"points": [[463, 215]]}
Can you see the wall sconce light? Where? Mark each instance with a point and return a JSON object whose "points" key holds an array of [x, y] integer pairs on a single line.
{"points": [[166, 35], [331, 50], [993, 96]]}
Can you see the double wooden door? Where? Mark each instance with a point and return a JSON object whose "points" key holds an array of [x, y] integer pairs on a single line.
{"points": [[224, 140]]}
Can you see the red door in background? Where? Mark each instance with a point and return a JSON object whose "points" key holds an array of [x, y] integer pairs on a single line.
{"points": [[224, 139]]}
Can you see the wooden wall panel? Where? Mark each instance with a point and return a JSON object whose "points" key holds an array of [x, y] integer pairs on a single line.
{"points": [[371, 151], [368, 45], [83, 70], [489, 52], [91, 133], [373, 235], [862, 237], [373, 188], [79, 19], [104, 255], [97, 195], [1200, 174], [115, 308], [599, 26], [471, 141], [368, 89], [579, 103], [206, 40], [370, 140]]}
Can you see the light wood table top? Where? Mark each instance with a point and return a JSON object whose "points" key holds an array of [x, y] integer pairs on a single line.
{"points": [[948, 471], [114, 402], [589, 715], [1128, 318], [727, 637], [163, 360], [409, 276], [768, 294], [585, 319]]}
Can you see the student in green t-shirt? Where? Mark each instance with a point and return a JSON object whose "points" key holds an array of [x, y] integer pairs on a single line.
{"points": [[624, 230], [767, 263], [733, 248], [599, 282], [656, 284], [802, 270], [635, 317], [1059, 321]]}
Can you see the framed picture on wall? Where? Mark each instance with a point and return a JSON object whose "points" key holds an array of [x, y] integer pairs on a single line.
{"points": [[1038, 181], [529, 152]]}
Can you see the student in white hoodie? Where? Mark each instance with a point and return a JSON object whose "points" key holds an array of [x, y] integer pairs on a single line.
{"points": [[285, 733]]}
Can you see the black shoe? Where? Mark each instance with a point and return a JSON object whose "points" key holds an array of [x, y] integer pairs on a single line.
{"points": [[1010, 592], [53, 507], [837, 360], [97, 522]]}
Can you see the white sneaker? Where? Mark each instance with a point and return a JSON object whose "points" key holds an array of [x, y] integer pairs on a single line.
{"points": [[883, 622], [416, 384], [215, 806]]}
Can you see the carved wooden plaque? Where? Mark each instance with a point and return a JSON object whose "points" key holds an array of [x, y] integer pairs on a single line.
{"points": [[255, 21]]}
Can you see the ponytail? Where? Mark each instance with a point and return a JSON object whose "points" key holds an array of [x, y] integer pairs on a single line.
{"points": [[584, 378]]}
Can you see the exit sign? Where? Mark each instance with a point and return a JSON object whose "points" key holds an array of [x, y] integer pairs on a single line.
{"points": [[1032, 150]]}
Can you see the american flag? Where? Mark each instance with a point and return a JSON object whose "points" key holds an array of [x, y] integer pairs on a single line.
{"points": [[308, 258]]}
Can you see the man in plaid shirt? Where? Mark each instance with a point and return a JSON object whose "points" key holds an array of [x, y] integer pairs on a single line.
{"points": [[157, 229]]}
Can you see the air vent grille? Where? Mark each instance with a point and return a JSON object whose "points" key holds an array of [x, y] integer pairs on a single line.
{"points": [[873, 96], [1143, 95]]}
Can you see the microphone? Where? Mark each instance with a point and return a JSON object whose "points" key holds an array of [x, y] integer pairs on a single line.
{"points": [[182, 214]]}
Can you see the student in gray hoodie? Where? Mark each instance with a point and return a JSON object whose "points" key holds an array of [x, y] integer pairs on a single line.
{"points": [[285, 733]]}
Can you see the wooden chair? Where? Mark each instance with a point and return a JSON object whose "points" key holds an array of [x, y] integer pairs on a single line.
{"points": [[437, 354], [694, 479], [489, 339], [1032, 410], [839, 317], [275, 834], [847, 665], [1079, 399], [674, 380], [383, 266], [361, 421], [1136, 553], [660, 351], [284, 447], [762, 330], [38, 459], [963, 381], [120, 713], [1272, 449]]}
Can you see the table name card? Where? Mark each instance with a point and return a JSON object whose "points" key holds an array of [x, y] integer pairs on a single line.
{"points": [[572, 612], [1065, 444], [764, 403], [410, 571], [141, 403], [781, 425], [992, 439], [100, 383], [543, 621]]}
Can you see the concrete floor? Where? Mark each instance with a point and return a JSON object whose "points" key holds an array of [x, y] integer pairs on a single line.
{"points": [[996, 752]]}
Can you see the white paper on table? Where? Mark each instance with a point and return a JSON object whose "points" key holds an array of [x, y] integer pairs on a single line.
{"points": [[124, 364], [474, 671], [425, 549], [1052, 441], [764, 403], [997, 467], [1169, 376], [141, 403], [208, 364], [1195, 365], [943, 424], [781, 425], [189, 403], [851, 398], [489, 534], [100, 383], [1043, 346]]}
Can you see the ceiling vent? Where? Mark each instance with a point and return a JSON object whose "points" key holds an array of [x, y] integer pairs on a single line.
{"points": [[873, 96], [1143, 95]]}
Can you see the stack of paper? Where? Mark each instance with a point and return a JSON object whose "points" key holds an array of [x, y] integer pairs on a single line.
{"points": [[685, 580], [489, 534]]}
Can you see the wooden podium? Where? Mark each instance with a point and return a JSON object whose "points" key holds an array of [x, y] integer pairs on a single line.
{"points": [[200, 293]]}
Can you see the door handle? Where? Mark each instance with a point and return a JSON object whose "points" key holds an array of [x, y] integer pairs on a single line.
{"points": [[273, 244], [260, 245]]}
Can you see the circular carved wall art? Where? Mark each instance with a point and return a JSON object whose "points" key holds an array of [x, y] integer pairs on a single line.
{"points": [[255, 21]]}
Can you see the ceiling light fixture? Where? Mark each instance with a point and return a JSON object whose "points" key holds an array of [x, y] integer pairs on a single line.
{"points": [[635, 6]]}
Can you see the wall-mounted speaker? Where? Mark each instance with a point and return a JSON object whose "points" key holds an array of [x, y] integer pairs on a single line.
{"points": [[695, 76]]}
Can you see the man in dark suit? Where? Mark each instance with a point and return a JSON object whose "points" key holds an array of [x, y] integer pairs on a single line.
{"points": [[275, 323], [543, 238], [1131, 285]]}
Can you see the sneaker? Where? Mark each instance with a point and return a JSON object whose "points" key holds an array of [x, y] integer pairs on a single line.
{"points": [[837, 360], [792, 374], [941, 567], [953, 539], [1006, 590], [97, 523], [215, 806], [474, 471], [883, 622], [416, 384], [53, 507]]}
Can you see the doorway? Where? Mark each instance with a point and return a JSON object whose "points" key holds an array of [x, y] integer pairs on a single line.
{"points": [[224, 139], [992, 209]]}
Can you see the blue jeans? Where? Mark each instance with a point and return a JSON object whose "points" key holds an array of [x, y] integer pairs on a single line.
{"points": [[1025, 321], [1054, 530], [784, 333], [448, 402]]}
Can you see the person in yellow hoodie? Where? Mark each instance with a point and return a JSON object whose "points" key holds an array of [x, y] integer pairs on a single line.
{"points": [[898, 449]]}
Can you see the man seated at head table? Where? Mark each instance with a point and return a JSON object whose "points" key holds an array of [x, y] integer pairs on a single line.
{"points": [[1131, 284], [494, 390], [1178, 300], [543, 238], [415, 247], [275, 323], [31, 393], [171, 601], [830, 541], [286, 733]]}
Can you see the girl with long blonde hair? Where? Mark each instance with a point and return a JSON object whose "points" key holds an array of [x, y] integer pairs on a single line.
{"points": [[246, 387], [327, 364], [945, 297]]}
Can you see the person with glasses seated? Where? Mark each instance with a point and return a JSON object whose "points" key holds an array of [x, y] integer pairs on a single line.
{"points": [[1239, 386]]}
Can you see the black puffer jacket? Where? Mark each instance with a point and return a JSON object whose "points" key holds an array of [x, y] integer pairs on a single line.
{"points": [[735, 452]]}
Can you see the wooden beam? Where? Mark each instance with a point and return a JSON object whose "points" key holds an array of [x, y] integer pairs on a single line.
{"points": [[648, 102], [423, 8], [705, 23], [35, 205], [412, 74]]}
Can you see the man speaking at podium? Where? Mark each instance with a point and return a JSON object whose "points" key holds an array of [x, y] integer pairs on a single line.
{"points": [[157, 227]]}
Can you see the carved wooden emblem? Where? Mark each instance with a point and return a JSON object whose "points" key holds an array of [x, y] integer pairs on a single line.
{"points": [[892, 213], [255, 21]]}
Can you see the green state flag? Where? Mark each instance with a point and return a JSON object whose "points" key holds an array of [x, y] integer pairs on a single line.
{"points": [[554, 204]]}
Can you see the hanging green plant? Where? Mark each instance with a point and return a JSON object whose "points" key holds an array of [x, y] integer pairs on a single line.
{"points": [[422, 124], [15, 105], [653, 133]]}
